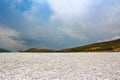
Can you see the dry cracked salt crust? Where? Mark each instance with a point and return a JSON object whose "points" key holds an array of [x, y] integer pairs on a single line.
{"points": [[60, 66]]}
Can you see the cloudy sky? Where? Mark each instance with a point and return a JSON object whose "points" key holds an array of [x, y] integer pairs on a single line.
{"points": [[57, 24]]}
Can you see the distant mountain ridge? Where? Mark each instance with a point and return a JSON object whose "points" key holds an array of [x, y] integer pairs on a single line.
{"points": [[108, 46], [38, 50], [3, 50]]}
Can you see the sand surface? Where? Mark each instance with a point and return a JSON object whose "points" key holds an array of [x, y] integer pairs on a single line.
{"points": [[60, 66]]}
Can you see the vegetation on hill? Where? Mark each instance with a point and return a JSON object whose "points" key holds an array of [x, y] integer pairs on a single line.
{"points": [[38, 50], [96, 47]]}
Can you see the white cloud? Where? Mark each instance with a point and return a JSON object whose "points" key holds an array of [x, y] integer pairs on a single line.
{"points": [[69, 8], [7, 40], [116, 37], [76, 19], [81, 19], [71, 31]]}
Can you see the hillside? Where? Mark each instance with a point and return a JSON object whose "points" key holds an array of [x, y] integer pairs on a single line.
{"points": [[96, 47], [3, 50], [108, 46], [38, 50]]}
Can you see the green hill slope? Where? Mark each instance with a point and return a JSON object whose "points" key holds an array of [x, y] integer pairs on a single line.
{"points": [[96, 47], [38, 50]]}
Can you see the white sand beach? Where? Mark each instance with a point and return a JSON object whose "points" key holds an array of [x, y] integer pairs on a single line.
{"points": [[60, 66]]}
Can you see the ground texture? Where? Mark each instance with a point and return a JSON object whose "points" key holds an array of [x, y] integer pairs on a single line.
{"points": [[60, 66]]}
